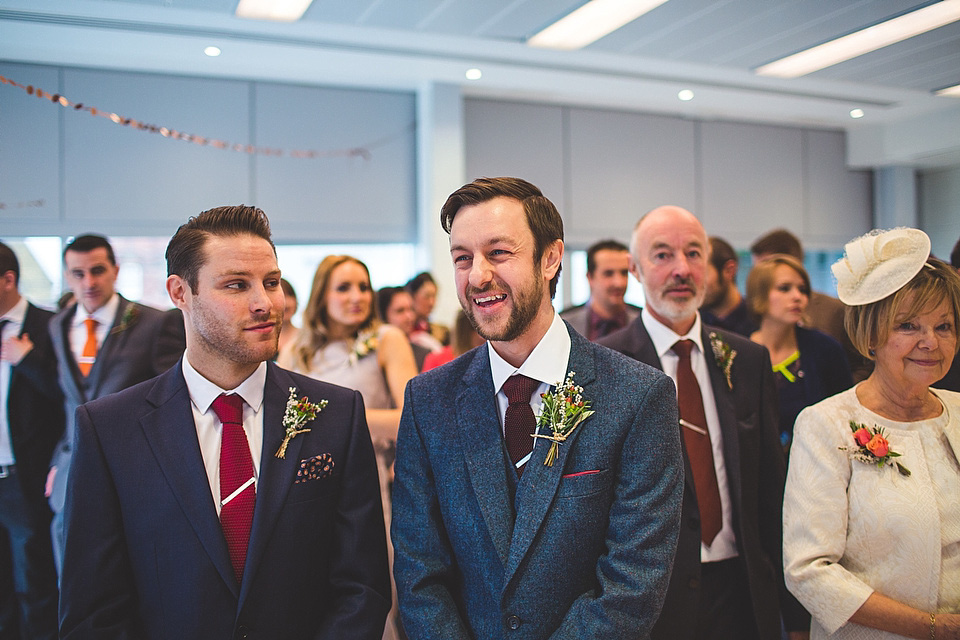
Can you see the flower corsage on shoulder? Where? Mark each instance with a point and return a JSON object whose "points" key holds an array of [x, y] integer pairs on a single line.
{"points": [[724, 354], [298, 413], [562, 411], [366, 343], [873, 447], [129, 317]]}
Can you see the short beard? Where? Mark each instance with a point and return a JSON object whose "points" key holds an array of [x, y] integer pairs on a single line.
{"points": [[525, 309]]}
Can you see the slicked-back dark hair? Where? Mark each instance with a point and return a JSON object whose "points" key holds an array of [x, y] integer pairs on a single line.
{"points": [[9, 262], [90, 242], [185, 251], [543, 219], [603, 245]]}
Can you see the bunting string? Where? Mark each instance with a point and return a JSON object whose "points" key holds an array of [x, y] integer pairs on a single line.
{"points": [[167, 132]]}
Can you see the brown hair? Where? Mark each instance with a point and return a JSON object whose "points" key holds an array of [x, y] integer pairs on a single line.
{"points": [[314, 335], [543, 219], [760, 281], [869, 325]]}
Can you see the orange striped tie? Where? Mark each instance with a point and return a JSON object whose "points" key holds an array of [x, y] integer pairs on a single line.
{"points": [[89, 355]]}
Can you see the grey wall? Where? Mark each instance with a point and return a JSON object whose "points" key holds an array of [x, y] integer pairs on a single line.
{"points": [[603, 169], [64, 171], [939, 195]]}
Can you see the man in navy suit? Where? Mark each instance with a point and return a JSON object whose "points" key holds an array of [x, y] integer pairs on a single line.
{"points": [[727, 579], [31, 421], [104, 343], [493, 537], [226, 498]]}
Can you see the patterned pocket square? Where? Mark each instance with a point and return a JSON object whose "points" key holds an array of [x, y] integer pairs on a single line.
{"points": [[315, 468]]}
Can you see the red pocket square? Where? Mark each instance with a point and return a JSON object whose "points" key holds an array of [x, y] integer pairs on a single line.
{"points": [[580, 473], [315, 468]]}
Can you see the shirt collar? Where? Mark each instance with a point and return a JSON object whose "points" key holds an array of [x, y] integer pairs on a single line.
{"points": [[104, 316], [203, 392], [546, 363], [17, 312], [663, 337]]}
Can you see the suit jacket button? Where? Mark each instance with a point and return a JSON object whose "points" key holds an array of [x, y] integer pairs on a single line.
{"points": [[513, 622], [242, 632]]}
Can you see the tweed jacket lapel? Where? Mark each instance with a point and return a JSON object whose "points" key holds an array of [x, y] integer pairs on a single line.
{"points": [[482, 445], [172, 435], [540, 482], [276, 475]]}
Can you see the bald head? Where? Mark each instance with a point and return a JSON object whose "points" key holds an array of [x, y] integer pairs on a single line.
{"points": [[669, 251]]}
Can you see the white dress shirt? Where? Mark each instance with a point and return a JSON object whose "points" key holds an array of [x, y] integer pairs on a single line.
{"points": [[663, 337], [104, 316], [209, 428], [546, 363], [14, 317]]}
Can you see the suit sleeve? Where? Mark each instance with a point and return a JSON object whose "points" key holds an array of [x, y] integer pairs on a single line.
{"points": [[97, 593], [358, 574], [643, 529], [423, 558]]}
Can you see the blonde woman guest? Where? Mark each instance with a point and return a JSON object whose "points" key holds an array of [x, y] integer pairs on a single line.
{"points": [[342, 342], [808, 364], [871, 541]]}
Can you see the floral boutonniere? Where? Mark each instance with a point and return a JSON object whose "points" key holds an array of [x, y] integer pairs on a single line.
{"points": [[873, 447], [130, 315], [562, 411], [724, 354], [366, 342], [298, 413]]}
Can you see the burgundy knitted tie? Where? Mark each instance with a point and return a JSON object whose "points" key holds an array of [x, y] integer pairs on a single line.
{"points": [[696, 438], [237, 491], [519, 422]]}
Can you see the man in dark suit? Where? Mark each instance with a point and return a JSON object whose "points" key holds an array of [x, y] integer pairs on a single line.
{"points": [[723, 305], [727, 574], [226, 498], [493, 537], [31, 421], [104, 343], [608, 263]]}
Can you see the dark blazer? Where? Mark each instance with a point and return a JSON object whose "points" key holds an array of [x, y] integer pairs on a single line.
{"points": [[35, 405], [755, 472], [581, 549], [142, 343], [145, 554], [578, 317]]}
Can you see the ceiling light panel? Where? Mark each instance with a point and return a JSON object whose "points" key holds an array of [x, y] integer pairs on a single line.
{"points": [[590, 22]]}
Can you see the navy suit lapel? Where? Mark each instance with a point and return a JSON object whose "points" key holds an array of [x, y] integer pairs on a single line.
{"points": [[276, 475], [172, 435], [540, 482], [482, 446]]}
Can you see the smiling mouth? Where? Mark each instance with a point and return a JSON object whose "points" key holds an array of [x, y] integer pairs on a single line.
{"points": [[486, 301]]}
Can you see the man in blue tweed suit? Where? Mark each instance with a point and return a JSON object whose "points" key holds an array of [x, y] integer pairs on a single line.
{"points": [[491, 541]]}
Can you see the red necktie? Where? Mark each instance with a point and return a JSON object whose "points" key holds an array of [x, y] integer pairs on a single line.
{"points": [[696, 438], [237, 492], [519, 422], [89, 354]]}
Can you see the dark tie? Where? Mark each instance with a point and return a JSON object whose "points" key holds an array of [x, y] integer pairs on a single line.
{"points": [[696, 438], [519, 422], [237, 492]]}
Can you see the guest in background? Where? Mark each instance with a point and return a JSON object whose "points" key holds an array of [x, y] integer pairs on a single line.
{"points": [[423, 288], [608, 270], [871, 519], [951, 381], [723, 306], [808, 364], [824, 313], [31, 422], [464, 338], [104, 343], [342, 341], [288, 331], [395, 306]]}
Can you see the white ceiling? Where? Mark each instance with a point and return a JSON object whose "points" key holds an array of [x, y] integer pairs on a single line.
{"points": [[709, 46]]}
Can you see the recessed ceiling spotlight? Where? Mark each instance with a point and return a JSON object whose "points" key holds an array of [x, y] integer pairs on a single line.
{"points": [[856, 113], [474, 74], [686, 95], [213, 52]]}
